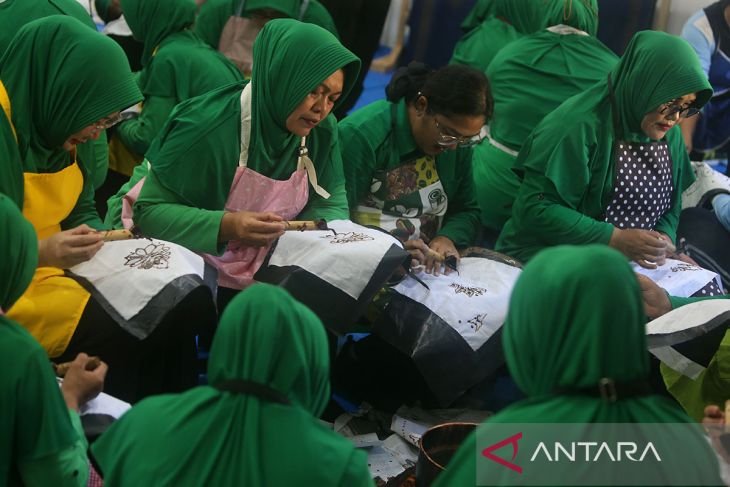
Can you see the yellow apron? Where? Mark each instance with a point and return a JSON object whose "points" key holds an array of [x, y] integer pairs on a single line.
{"points": [[52, 305]]}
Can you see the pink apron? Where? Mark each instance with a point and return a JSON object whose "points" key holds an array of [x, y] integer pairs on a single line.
{"points": [[250, 191]]}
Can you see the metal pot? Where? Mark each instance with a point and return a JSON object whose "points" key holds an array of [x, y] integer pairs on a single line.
{"points": [[436, 448]]}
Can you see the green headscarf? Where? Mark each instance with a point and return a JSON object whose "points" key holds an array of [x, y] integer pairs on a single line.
{"points": [[566, 328], [481, 10], [19, 251], [290, 8], [567, 161], [581, 14], [526, 16], [281, 82], [152, 22], [206, 436], [61, 77]]}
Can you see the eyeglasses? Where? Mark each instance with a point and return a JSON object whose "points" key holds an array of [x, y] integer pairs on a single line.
{"points": [[446, 140], [108, 122], [669, 110]]}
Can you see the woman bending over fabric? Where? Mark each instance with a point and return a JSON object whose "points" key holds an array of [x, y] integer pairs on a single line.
{"points": [[41, 439], [407, 160], [609, 166], [176, 66], [52, 105], [255, 423], [530, 78], [566, 334], [229, 166], [509, 20]]}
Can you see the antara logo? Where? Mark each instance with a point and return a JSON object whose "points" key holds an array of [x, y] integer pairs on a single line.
{"points": [[512, 440]]}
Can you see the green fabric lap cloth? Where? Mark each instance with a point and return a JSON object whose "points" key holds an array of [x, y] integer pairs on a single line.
{"points": [[567, 162], [177, 65], [183, 200], [38, 439], [206, 436], [565, 330], [62, 77], [214, 14], [510, 19]]}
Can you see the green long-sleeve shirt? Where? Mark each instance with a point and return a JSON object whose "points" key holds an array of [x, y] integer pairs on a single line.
{"points": [[371, 142]]}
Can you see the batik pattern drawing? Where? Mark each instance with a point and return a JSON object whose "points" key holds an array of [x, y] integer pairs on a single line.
{"points": [[153, 256]]}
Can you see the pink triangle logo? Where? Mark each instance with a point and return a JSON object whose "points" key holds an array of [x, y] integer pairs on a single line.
{"points": [[487, 452]]}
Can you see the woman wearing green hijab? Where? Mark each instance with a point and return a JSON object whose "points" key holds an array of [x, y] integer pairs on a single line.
{"points": [[609, 166], [214, 15], [530, 77], [510, 19], [566, 333], [255, 424], [53, 105], [478, 14], [14, 14], [177, 66], [41, 440], [230, 165]]}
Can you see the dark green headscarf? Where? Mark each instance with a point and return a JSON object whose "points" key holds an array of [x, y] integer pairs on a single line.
{"points": [[567, 161], [152, 21], [291, 59], [61, 77], [205, 436], [481, 10], [581, 14], [526, 16], [18, 253], [290, 8], [568, 327]]}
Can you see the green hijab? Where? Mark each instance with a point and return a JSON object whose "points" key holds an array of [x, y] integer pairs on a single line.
{"points": [[152, 22], [481, 10], [290, 8], [581, 14], [568, 158], [566, 328], [61, 77], [526, 16], [206, 436], [19, 251]]}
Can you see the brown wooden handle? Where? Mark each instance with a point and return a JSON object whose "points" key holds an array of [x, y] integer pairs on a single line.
{"points": [[303, 225], [435, 255], [62, 368], [114, 235]]}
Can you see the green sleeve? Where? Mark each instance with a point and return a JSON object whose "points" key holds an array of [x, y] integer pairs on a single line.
{"points": [[330, 176], [94, 154], [677, 301], [85, 209], [161, 214], [683, 179], [211, 19], [113, 217], [137, 133], [356, 472], [462, 215], [359, 161]]}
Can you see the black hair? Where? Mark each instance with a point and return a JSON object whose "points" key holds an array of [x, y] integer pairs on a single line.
{"points": [[453, 90]]}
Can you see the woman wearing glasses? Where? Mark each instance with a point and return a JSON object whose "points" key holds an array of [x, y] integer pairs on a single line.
{"points": [[608, 165], [407, 160]]}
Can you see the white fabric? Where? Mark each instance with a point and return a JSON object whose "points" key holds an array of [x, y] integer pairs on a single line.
{"points": [[707, 179], [679, 278], [565, 30], [118, 27], [346, 260], [688, 316], [474, 303], [129, 273]]}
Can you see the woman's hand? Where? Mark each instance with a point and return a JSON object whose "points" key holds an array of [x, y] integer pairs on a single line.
{"points": [[81, 385], [70, 247], [441, 246], [645, 247], [418, 250], [656, 300], [252, 229]]}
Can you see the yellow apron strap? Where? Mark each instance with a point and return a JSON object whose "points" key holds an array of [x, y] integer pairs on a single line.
{"points": [[5, 102]]}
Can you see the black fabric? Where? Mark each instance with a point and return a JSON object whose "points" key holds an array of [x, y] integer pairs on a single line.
{"points": [[705, 240], [262, 391], [163, 362]]}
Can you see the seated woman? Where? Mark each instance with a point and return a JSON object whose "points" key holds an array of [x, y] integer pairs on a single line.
{"points": [[52, 105], [94, 153], [41, 439], [229, 166], [176, 66], [608, 165], [509, 20], [529, 78], [251, 16], [255, 424], [407, 160], [566, 334]]}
